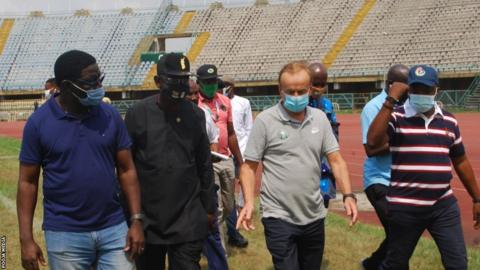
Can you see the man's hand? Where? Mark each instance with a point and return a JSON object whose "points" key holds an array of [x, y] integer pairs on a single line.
{"points": [[135, 240], [211, 221], [32, 255], [476, 215], [397, 90], [245, 217], [351, 208]]}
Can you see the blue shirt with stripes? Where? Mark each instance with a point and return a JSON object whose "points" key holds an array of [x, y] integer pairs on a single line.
{"points": [[421, 150]]}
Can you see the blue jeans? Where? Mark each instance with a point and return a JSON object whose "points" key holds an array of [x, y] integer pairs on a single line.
{"points": [[78, 251]]}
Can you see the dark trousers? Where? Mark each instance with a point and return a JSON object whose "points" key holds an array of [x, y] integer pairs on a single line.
{"points": [[214, 251], [213, 248], [376, 195], [184, 256], [295, 247], [405, 229]]}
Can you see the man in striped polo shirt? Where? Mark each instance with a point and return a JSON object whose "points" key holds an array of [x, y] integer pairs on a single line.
{"points": [[424, 141]]}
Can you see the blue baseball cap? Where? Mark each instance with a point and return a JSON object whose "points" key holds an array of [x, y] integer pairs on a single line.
{"points": [[423, 74]]}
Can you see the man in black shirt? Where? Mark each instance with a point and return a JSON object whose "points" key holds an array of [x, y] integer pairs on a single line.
{"points": [[172, 155]]}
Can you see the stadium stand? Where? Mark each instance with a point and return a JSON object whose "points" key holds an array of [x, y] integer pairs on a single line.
{"points": [[35, 42], [442, 33], [359, 39], [252, 42]]}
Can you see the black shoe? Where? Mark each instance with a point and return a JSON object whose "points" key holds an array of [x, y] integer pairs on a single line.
{"points": [[239, 242]]}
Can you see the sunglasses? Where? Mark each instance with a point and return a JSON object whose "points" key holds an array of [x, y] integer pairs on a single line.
{"points": [[92, 83], [175, 80]]}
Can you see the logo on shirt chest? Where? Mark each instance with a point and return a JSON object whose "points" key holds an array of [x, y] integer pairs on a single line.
{"points": [[283, 135], [315, 130]]}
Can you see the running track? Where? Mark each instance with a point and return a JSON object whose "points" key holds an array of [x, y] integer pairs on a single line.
{"points": [[352, 151]]}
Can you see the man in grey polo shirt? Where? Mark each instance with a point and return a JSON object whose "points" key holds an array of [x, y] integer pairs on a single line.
{"points": [[291, 139]]}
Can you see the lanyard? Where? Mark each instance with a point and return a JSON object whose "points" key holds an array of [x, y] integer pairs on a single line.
{"points": [[217, 113]]}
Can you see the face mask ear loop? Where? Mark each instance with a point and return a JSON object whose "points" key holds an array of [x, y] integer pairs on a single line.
{"points": [[78, 87]]}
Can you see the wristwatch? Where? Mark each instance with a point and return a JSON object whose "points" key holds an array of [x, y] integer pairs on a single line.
{"points": [[351, 195], [392, 100], [138, 217]]}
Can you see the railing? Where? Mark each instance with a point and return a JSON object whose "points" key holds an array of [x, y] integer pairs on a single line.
{"points": [[452, 98], [123, 105], [342, 101], [474, 86]]}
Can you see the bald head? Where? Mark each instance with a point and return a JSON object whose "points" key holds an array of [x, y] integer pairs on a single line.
{"points": [[397, 73], [319, 79]]}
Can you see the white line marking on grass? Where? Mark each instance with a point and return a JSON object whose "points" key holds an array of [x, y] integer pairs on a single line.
{"points": [[8, 157], [11, 207]]}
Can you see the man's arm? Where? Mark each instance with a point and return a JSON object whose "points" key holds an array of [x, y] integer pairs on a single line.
{"points": [[27, 192], [233, 143], [127, 176], [340, 171], [377, 133], [248, 118], [368, 114], [247, 181], [465, 173], [372, 152]]}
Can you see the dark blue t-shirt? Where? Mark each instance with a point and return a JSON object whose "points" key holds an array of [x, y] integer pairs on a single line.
{"points": [[77, 157]]}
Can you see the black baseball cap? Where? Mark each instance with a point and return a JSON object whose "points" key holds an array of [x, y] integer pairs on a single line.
{"points": [[173, 64], [206, 72]]}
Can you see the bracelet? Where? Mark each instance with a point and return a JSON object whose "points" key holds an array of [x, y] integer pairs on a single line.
{"points": [[392, 100], [138, 217], [349, 195], [387, 106]]}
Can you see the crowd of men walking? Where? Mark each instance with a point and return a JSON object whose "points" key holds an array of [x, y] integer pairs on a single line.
{"points": [[120, 193]]}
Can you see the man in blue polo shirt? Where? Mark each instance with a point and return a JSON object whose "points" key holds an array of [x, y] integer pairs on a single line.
{"points": [[81, 144], [317, 98], [424, 141], [376, 169]]}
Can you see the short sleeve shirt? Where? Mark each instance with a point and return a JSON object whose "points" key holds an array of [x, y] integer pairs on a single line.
{"points": [[376, 170], [220, 109], [292, 154], [77, 157], [212, 130]]}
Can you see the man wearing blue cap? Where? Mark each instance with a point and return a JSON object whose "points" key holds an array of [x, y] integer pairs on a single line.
{"points": [[424, 141]]}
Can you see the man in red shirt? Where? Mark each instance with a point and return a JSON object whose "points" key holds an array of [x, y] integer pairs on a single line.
{"points": [[220, 109]]}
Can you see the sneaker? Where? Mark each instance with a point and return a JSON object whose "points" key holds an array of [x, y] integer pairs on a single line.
{"points": [[240, 242]]}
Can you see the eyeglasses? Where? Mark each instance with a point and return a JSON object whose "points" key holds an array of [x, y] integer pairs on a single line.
{"points": [[292, 92], [175, 80], [92, 83]]}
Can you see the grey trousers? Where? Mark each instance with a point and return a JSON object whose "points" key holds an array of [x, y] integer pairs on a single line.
{"points": [[225, 178]]}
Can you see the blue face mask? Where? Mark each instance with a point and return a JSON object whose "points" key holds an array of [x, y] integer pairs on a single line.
{"points": [[295, 103], [93, 98], [421, 103]]}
